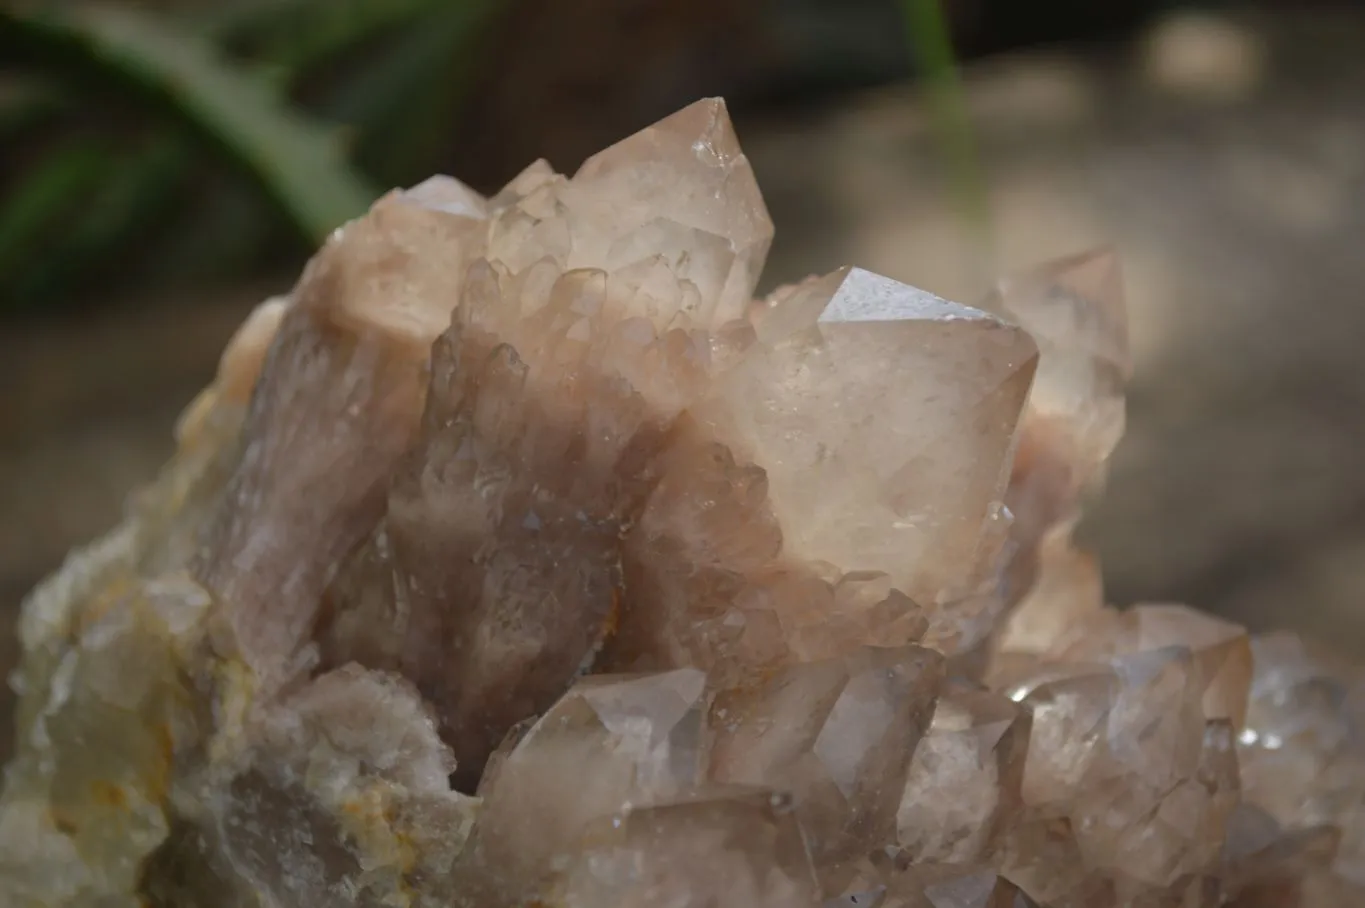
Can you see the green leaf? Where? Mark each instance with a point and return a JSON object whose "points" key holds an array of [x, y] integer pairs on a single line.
{"points": [[296, 34], [46, 192], [135, 191], [225, 235], [427, 66], [298, 162], [932, 45]]}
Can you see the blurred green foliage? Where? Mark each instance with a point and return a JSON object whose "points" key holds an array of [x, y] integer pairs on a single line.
{"points": [[931, 44], [202, 140], [183, 140]]}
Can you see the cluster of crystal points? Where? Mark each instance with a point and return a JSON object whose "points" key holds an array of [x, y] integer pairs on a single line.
{"points": [[520, 557]]}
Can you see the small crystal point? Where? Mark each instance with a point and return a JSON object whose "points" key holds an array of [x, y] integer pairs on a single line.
{"points": [[448, 194], [1222, 649], [631, 741], [688, 166], [1074, 308], [963, 786], [845, 760], [1076, 301]]}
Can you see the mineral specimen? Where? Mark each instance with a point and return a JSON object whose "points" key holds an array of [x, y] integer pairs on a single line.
{"points": [[520, 557]]}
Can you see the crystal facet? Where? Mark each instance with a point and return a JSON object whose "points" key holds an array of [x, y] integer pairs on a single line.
{"points": [[964, 783], [838, 734]]}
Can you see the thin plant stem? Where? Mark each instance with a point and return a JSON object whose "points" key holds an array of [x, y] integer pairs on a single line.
{"points": [[932, 46]]}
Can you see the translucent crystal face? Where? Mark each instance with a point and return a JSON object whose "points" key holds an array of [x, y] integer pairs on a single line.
{"points": [[885, 427], [964, 782], [1073, 308], [521, 557], [682, 190]]}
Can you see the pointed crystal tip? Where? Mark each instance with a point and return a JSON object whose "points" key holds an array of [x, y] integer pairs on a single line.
{"points": [[689, 169]]}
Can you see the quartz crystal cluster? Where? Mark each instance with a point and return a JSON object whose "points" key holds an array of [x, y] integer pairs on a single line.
{"points": [[520, 557]]}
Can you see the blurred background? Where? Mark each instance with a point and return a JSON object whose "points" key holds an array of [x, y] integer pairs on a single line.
{"points": [[166, 165]]}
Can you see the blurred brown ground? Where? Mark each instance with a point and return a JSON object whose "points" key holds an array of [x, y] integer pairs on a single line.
{"points": [[1225, 160]]}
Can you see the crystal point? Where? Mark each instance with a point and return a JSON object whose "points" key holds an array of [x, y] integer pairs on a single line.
{"points": [[635, 741], [964, 783], [838, 733], [448, 194], [689, 165], [893, 494]]}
